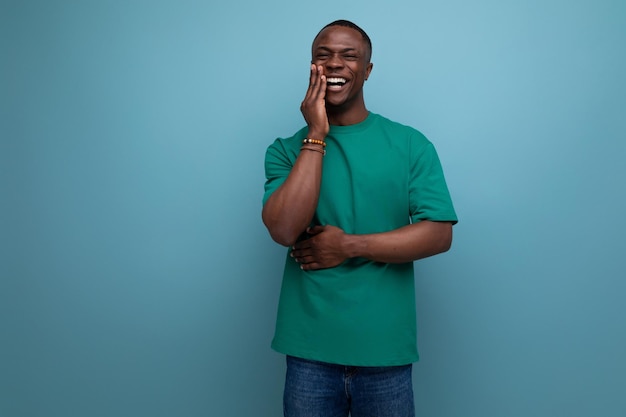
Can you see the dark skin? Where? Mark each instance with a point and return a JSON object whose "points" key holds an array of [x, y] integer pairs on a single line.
{"points": [[338, 52]]}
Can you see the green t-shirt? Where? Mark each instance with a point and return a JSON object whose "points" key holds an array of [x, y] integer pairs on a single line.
{"points": [[377, 176]]}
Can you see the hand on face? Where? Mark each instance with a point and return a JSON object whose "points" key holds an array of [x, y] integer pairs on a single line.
{"points": [[313, 106]]}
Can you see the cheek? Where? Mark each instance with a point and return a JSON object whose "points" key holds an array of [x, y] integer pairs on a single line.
{"points": [[360, 73]]}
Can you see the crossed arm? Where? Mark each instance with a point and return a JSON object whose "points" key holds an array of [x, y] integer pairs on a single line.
{"points": [[328, 245]]}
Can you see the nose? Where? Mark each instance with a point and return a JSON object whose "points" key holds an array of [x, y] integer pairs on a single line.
{"points": [[334, 61]]}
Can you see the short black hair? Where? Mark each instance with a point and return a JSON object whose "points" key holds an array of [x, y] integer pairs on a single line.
{"points": [[349, 24]]}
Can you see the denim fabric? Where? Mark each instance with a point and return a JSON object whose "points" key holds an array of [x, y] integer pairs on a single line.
{"points": [[318, 389]]}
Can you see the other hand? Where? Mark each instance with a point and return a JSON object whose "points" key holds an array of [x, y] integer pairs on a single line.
{"points": [[324, 249]]}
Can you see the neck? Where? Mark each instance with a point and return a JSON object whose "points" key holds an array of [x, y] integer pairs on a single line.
{"points": [[340, 116]]}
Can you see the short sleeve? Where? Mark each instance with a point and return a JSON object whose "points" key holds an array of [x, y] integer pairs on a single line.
{"points": [[278, 164], [429, 197]]}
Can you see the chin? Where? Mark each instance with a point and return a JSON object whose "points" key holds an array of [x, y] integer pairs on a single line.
{"points": [[336, 102]]}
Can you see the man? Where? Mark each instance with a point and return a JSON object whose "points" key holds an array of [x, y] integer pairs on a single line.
{"points": [[357, 198]]}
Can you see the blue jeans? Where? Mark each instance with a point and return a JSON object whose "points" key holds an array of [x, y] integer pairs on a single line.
{"points": [[318, 389]]}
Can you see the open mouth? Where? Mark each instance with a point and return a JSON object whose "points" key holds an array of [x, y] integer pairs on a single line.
{"points": [[335, 83]]}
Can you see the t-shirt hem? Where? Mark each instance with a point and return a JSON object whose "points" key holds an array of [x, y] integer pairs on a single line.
{"points": [[441, 218], [337, 360]]}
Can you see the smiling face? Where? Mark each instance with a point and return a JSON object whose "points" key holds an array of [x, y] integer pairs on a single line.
{"points": [[344, 55]]}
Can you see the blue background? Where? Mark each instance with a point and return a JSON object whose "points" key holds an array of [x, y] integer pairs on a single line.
{"points": [[138, 280]]}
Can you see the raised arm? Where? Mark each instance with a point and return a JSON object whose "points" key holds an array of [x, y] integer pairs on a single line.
{"points": [[289, 210]]}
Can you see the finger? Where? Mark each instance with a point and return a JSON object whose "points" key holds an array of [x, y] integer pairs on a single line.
{"points": [[311, 266], [322, 83], [303, 259], [315, 230], [301, 254], [320, 86], [307, 95], [314, 83], [298, 247], [312, 93]]}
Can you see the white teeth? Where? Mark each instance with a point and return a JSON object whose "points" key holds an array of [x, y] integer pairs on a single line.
{"points": [[336, 80]]}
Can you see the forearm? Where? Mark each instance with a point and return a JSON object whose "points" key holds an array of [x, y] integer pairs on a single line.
{"points": [[290, 209], [406, 244]]}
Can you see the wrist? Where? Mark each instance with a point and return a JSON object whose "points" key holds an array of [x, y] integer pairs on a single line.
{"points": [[351, 245], [316, 134], [316, 148]]}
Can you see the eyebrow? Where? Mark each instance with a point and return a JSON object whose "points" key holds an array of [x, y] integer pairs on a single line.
{"points": [[326, 48]]}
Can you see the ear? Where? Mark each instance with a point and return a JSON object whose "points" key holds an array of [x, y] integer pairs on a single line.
{"points": [[368, 70]]}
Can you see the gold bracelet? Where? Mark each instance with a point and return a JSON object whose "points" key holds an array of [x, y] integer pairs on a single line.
{"points": [[314, 141], [309, 148]]}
